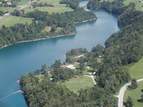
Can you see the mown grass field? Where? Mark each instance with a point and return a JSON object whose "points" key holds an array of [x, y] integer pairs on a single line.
{"points": [[22, 2], [6, 9], [77, 83], [50, 10], [138, 3], [135, 95], [136, 70], [12, 20], [57, 7], [48, 1]]}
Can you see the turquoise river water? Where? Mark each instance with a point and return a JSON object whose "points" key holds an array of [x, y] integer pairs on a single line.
{"points": [[19, 59]]}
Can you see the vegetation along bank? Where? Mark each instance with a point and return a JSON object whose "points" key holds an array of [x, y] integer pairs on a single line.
{"points": [[47, 87]]}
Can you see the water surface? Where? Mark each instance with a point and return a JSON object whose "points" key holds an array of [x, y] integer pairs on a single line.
{"points": [[22, 58]]}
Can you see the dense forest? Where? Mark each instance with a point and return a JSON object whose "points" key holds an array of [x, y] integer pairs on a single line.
{"points": [[108, 63], [43, 25], [72, 3], [115, 7]]}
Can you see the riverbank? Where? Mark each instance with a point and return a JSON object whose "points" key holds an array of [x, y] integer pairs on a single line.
{"points": [[39, 39], [50, 37], [85, 21]]}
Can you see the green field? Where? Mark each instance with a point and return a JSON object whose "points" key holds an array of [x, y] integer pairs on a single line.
{"points": [[48, 1], [50, 10], [57, 7], [138, 3], [77, 83], [23, 4], [135, 95], [12, 20], [6, 9], [136, 70]]}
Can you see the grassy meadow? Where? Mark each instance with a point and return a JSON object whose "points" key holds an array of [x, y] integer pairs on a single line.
{"points": [[138, 4], [12, 20], [77, 83], [57, 7], [136, 69], [135, 95]]}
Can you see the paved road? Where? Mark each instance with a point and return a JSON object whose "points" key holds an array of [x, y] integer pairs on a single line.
{"points": [[122, 93]]}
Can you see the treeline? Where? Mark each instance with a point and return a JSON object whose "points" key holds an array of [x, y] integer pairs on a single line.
{"points": [[71, 3], [115, 7], [43, 89], [122, 48], [44, 25], [129, 16]]}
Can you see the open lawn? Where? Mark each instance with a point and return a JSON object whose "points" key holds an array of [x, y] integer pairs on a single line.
{"points": [[12, 20], [77, 83], [138, 3], [54, 2], [136, 70], [22, 2], [135, 95], [57, 7], [6, 9], [50, 10]]}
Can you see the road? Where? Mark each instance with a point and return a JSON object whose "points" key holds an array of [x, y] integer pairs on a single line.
{"points": [[122, 92]]}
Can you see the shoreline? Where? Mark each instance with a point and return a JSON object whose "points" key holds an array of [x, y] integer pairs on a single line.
{"points": [[38, 39], [85, 21], [49, 37]]}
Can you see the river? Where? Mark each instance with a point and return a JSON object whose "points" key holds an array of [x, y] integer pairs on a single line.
{"points": [[19, 59]]}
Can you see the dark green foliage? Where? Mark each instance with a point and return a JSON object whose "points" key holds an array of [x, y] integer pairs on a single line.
{"points": [[129, 102], [20, 32], [130, 16], [115, 7], [72, 56], [97, 97], [122, 48], [1, 13], [72, 3], [98, 50], [134, 84], [46, 93], [128, 43], [111, 78]]}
